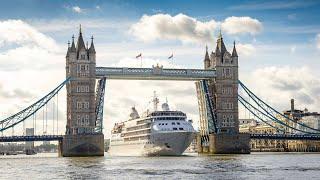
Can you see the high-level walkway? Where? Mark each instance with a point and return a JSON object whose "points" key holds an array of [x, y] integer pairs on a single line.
{"points": [[31, 138], [154, 73]]}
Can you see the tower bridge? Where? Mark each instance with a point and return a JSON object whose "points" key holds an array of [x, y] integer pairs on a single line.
{"points": [[217, 91]]}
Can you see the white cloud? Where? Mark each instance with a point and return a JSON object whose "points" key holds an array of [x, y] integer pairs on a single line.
{"points": [[245, 49], [188, 29], [77, 9], [278, 84], [180, 27], [20, 33], [240, 25], [318, 41]]}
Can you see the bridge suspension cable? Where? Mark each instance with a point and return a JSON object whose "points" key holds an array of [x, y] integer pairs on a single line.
{"points": [[272, 113], [19, 117]]}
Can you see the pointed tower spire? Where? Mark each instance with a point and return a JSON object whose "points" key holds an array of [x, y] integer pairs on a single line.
{"points": [[234, 51], [220, 44], [73, 47], [206, 57], [91, 49], [80, 42]]}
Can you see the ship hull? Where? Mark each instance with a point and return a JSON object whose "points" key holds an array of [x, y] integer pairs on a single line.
{"points": [[172, 143]]}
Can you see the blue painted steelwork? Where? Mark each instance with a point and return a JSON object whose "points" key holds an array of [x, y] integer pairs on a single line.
{"points": [[30, 110], [285, 136], [212, 119], [207, 111], [257, 113], [31, 138], [154, 73], [271, 111], [99, 104]]}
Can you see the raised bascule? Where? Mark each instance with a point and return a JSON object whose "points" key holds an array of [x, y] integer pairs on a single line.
{"points": [[217, 91]]}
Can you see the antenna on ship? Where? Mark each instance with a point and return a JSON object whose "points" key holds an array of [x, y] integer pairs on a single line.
{"points": [[155, 101]]}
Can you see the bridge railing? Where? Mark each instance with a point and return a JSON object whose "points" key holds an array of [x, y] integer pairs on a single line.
{"points": [[114, 72]]}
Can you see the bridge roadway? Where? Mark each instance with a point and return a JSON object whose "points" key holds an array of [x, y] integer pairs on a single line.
{"points": [[154, 73], [285, 136], [31, 138]]}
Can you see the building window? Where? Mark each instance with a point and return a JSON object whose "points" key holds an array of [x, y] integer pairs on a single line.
{"points": [[86, 105], [227, 72], [83, 56], [82, 89], [79, 105]]}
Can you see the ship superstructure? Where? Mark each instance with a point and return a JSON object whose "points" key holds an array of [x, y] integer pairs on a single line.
{"points": [[160, 132]]}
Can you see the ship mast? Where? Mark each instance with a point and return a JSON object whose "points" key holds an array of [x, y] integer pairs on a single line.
{"points": [[155, 101]]}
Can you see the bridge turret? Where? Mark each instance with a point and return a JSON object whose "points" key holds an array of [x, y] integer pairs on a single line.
{"points": [[81, 89], [206, 59], [92, 51], [234, 55], [225, 88], [224, 136], [80, 138]]}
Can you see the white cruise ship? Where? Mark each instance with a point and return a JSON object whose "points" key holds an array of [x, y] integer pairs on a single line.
{"points": [[157, 133]]}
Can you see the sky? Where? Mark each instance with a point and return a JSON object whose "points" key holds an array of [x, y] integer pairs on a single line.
{"points": [[278, 43]]}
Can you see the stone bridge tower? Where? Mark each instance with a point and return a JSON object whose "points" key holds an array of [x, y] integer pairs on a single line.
{"points": [[80, 138], [224, 93]]}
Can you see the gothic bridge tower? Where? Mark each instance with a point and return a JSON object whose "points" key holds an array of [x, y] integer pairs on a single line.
{"points": [[80, 138], [224, 94]]}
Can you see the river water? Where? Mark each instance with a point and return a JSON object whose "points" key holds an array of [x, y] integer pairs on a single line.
{"points": [[191, 166]]}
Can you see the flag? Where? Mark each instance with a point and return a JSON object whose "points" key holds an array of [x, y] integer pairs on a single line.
{"points": [[139, 55], [170, 56]]}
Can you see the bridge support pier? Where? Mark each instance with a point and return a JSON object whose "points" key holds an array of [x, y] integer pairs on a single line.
{"points": [[225, 144], [83, 145], [229, 143]]}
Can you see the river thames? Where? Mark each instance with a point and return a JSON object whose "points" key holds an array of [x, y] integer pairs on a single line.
{"points": [[191, 166]]}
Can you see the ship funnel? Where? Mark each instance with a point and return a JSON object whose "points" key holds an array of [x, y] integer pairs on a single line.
{"points": [[165, 106], [134, 113]]}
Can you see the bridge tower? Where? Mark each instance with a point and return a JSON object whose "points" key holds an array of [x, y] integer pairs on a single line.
{"points": [[224, 93], [80, 137]]}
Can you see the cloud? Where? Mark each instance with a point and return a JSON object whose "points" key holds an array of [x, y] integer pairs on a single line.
{"points": [[188, 29], [278, 84], [180, 27], [77, 9], [318, 41], [240, 25], [245, 49], [15, 93], [18, 32], [270, 5]]}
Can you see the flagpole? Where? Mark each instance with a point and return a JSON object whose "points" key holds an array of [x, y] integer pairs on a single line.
{"points": [[141, 61]]}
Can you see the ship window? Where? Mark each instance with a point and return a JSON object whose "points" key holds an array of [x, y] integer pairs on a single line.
{"points": [[166, 123], [180, 128], [175, 129], [173, 123], [178, 123]]}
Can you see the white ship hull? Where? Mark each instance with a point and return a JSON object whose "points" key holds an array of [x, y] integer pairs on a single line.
{"points": [[166, 143]]}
